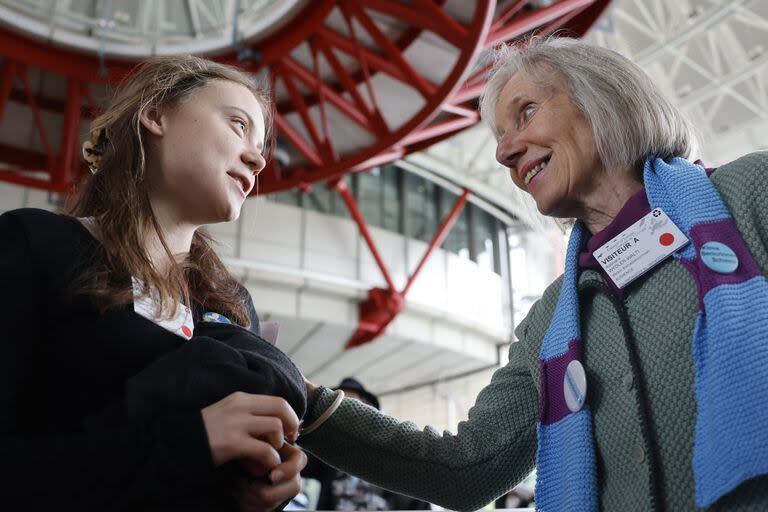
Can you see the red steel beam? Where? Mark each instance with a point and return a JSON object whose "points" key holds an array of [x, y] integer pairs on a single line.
{"points": [[64, 170], [506, 14], [469, 92], [536, 18], [309, 25], [478, 30], [381, 159], [22, 74], [414, 77], [364, 68], [431, 17], [303, 111], [382, 306], [323, 163], [586, 11], [439, 238], [562, 20], [321, 104], [49, 104], [581, 25], [23, 48], [354, 50], [22, 157], [6, 83], [403, 42], [460, 111], [275, 47], [435, 130], [350, 85], [290, 133], [346, 195], [344, 106]]}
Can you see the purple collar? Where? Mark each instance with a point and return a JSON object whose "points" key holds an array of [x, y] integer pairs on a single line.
{"points": [[634, 209]]}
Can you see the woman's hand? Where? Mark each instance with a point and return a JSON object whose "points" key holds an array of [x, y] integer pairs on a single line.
{"points": [[252, 427], [284, 483]]}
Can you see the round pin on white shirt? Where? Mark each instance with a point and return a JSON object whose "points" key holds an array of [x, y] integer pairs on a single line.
{"points": [[575, 386]]}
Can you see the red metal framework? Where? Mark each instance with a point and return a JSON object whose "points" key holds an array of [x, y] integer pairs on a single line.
{"points": [[327, 73], [384, 304], [326, 68]]}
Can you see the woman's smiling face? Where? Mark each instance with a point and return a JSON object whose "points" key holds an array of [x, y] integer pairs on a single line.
{"points": [[209, 149], [548, 145]]}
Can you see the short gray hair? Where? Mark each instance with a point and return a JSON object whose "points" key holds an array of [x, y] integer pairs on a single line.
{"points": [[629, 115]]}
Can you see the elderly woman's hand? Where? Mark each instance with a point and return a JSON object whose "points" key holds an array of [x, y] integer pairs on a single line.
{"points": [[283, 483]]}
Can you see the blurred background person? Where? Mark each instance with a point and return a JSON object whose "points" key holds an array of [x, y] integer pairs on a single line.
{"points": [[341, 491]]}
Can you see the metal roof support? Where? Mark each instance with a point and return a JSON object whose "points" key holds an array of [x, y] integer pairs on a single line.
{"points": [[66, 165], [290, 133], [702, 24], [506, 14], [382, 305], [341, 187], [21, 72], [535, 19], [442, 232], [427, 15], [353, 112], [360, 58], [414, 78], [371, 112], [442, 128], [6, 83]]}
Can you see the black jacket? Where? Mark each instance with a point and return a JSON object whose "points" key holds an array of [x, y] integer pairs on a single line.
{"points": [[102, 411]]}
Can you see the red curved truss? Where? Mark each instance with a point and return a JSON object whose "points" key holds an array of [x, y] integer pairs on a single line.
{"points": [[325, 67]]}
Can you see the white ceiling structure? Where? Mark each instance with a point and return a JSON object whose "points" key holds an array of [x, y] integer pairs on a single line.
{"points": [[709, 56]]}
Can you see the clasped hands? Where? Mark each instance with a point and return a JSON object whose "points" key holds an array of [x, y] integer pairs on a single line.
{"points": [[255, 430]]}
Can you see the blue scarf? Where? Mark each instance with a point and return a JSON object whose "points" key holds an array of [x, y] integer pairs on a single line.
{"points": [[730, 351]]}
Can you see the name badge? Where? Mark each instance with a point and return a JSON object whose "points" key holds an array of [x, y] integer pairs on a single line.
{"points": [[640, 247]]}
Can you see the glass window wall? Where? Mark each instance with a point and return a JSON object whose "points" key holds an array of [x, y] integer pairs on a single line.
{"points": [[457, 240], [485, 239], [402, 202], [369, 196], [421, 208]]}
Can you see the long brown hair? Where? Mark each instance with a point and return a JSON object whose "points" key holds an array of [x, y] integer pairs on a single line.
{"points": [[116, 196]]}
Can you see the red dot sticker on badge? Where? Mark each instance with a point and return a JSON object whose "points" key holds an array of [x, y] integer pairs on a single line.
{"points": [[187, 332], [667, 239]]}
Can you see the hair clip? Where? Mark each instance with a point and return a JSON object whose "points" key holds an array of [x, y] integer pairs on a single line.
{"points": [[92, 153]]}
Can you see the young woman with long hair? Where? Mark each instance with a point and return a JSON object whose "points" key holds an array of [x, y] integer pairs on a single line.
{"points": [[95, 298]]}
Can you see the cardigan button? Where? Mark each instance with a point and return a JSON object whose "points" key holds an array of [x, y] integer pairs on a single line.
{"points": [[628, 381], [639, 454]]}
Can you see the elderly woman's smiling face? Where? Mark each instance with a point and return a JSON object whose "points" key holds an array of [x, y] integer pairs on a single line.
{"points": [[548, 146]]}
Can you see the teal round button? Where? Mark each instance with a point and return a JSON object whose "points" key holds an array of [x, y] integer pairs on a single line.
{"points": [[719, 257]]}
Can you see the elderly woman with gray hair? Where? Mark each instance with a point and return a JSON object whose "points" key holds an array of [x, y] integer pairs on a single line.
{"points": [[640, 380]]}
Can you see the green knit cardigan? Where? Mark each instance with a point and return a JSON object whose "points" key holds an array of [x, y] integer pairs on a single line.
{"points": [[640, 371]]}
